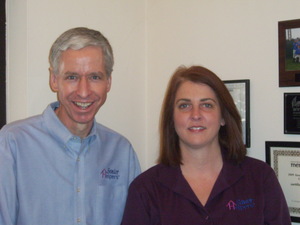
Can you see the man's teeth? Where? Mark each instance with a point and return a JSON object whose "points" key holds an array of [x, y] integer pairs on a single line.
{"points": [[83, 105]]}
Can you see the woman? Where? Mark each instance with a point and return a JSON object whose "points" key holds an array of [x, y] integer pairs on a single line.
{"points": [[203, 175]]}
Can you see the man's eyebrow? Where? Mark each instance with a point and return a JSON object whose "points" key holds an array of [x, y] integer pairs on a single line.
{"points": [[97, 73], [69, 73]]}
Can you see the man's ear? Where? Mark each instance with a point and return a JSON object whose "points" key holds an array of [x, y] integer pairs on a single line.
{"points": [[53, 80], [109, 79]]}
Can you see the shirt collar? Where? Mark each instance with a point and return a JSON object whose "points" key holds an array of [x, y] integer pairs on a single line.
{"points": [[173, 178], [56, 128], [229, 175]]}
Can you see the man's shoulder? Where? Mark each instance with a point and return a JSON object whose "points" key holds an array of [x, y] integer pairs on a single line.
{"points": [[106, 132], [22, 124], [102, 128]]}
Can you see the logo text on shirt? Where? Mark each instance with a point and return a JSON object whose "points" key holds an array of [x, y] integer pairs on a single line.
{"points": [[110, 174], [241, 204]]}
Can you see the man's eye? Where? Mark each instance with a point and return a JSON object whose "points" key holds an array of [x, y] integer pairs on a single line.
{"points": [[71, 77], [96, 77]]}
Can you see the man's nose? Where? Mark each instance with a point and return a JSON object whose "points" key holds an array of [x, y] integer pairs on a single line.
{"points": [[83, 89]]}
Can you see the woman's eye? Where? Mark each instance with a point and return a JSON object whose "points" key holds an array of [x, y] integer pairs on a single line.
{"points": [[183, 106], [207, 105]]}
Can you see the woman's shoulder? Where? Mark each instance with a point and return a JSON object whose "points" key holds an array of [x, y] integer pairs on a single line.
{"points": [[250, 161], [153, 172], [155, 175], [253, 165]]}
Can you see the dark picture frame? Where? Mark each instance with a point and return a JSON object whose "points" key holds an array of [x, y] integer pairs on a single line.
{"points": [[284, 158], [2, 64], [292, 113], [289, 61], [240, 92]]}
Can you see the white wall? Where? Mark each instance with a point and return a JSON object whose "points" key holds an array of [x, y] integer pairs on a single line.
{"points": [[33, 25], [237, 39]]}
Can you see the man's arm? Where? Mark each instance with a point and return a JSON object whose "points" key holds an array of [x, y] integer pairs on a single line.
{"points": [[8, 184]]}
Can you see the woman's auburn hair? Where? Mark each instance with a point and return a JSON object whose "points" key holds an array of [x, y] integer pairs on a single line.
{"points": [[230, 135]]}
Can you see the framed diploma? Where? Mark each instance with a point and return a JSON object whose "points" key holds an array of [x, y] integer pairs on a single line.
{"points": [[284, 158], [292, 113], [240, 92]]}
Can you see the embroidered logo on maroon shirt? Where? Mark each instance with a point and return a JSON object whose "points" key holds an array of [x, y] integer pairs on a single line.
{"points": [[241, 204]]}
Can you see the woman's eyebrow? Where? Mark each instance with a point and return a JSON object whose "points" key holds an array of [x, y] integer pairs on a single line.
{"points": [[183, 100], [201, 100], [207, 99]]}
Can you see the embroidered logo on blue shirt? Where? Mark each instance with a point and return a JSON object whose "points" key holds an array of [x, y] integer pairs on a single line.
{"points": [[110, 174], [241, 204]]}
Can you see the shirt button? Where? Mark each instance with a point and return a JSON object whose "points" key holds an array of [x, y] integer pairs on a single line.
{"points": [[78, 159], [78, 190], [78, 220]]}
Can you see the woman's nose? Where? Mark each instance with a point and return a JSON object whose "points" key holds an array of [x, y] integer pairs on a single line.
{"points": [[196, 114]]}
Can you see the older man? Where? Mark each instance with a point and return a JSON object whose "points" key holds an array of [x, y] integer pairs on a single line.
{"points": [[62, 167]]}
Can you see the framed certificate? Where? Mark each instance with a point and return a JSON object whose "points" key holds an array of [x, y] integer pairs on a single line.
{"points": [[284, 158], [292, 113], [240, 92]]}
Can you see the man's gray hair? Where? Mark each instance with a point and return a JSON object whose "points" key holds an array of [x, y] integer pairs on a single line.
{"points": [[78, 38]]}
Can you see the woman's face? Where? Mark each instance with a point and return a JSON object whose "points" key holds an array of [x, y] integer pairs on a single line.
{"points": [[197, 116]]}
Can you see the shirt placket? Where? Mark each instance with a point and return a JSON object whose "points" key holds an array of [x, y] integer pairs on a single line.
{"points": [[81, 147]]}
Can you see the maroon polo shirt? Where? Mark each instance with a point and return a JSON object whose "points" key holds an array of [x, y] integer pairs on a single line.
{"points": [[244, 194]]}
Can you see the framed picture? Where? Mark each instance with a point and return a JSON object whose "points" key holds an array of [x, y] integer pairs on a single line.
{"points": [[2, 66], [289, 53], [284, 158], [240, 92], [292, 113]]}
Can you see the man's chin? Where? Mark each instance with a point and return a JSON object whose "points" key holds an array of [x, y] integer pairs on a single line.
{"points": [[85, 121]]}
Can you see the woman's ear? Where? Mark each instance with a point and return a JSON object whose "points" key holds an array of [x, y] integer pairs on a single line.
{"points": [[222, 122]]}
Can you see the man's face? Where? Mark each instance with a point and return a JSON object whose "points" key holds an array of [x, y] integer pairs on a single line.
{"points": [[82, 87]]}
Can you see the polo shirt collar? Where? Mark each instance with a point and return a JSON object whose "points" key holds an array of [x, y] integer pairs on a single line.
{"points": [[172, 178], [229, 175]]}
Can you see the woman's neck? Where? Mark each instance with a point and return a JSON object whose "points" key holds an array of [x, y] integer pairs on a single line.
{"points": [[202, 158]]}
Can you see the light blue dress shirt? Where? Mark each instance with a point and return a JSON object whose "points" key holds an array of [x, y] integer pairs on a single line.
{"points": [[50, 177]]}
